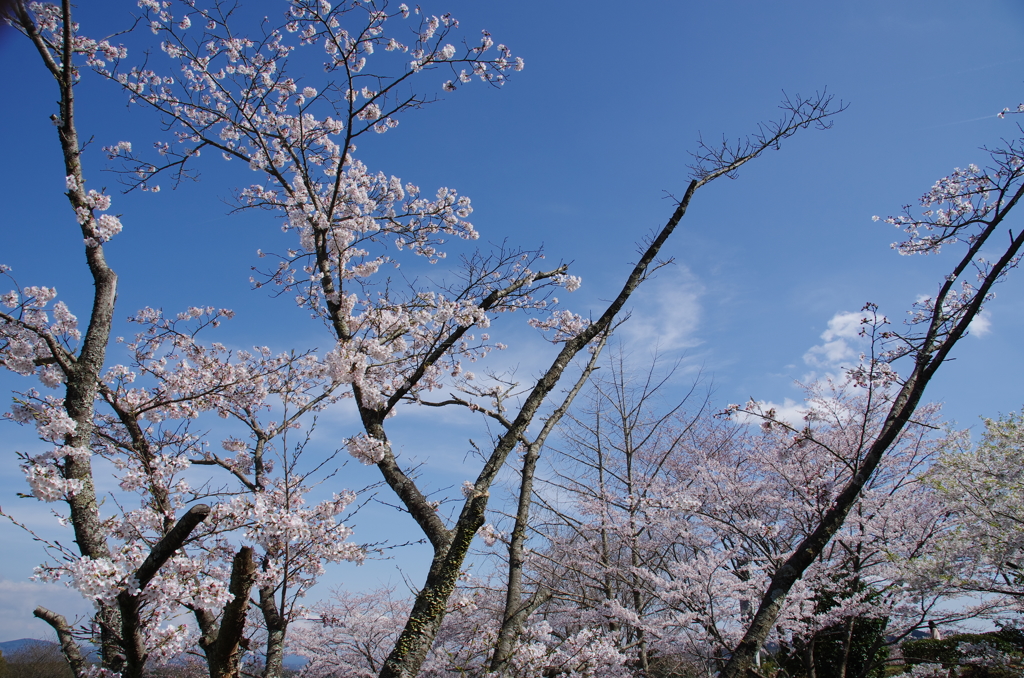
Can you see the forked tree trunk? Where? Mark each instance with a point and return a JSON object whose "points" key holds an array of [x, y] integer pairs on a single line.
{"points": [[224, 644], [451, 546]]}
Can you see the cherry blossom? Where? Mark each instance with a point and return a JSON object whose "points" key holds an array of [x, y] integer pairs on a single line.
{"points": [[143, 405], [979, 485]]}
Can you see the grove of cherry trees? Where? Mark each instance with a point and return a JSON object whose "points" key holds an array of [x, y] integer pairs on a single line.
{"points": [[614, 525]]}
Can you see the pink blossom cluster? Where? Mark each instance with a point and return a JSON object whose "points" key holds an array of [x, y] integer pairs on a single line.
{"points": [[50, 23], [347, 219], [566, 324], [354, 630], [172, 377], [366, 449], [30, 336], [589, 652]]}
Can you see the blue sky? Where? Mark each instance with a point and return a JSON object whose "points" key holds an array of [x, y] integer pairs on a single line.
{"points": [[576, 154]]}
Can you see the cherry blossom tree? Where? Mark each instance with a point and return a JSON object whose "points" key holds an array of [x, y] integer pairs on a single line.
{"points": [[65, 356], [865, 589], [141, 581], [608, 469], [392, 344], [966, 210], [147, 438], [664, 526], [236, 95], [981, 486]]}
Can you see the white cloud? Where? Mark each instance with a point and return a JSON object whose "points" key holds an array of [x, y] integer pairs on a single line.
{"points": [[829, 353], [981, 325], [843, 330], [790, 411], [843, 325]]}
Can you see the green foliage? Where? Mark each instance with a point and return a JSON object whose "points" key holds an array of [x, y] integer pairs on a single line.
{"points": [[867, 650], [949, 652]]}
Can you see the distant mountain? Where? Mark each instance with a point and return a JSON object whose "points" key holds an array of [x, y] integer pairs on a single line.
{"points": [[11, 646]]}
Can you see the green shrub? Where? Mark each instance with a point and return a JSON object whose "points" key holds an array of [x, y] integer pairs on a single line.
{"points": [[948, 652]]}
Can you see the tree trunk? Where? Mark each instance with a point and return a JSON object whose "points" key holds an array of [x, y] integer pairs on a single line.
{"points": [[68, 647], [130, 603], [516, 610], [82, 373], [847, 642], [430, 606], [277, 628], [809, 665], [225, 645]]}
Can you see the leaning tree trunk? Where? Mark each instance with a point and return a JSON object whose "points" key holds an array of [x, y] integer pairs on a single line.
{"points": [[451, 546], [517, 610], [950, 316]]}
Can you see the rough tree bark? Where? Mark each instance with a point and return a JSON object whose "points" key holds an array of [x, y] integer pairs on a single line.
{"points": [[225, 644], [130, 602], [81, 371]]}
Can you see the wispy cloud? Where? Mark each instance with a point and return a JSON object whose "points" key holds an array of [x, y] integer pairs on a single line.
{"points": [[841, 346], [667, 311], [18, 599]]}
